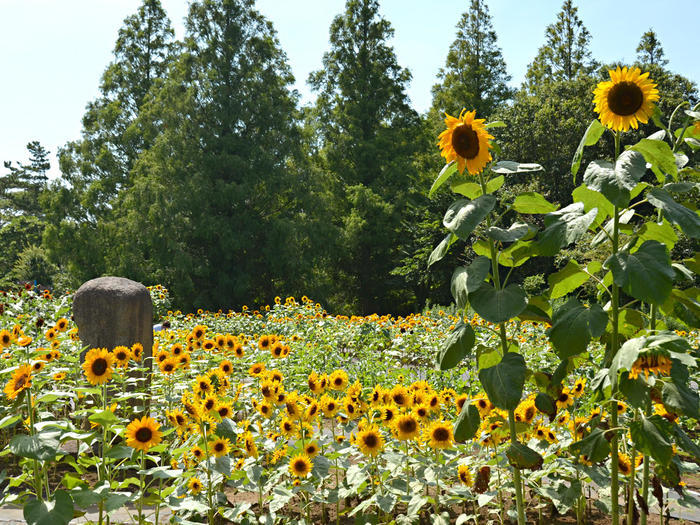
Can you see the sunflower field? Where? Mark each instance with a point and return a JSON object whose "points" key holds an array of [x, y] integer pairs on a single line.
{"points": [[504, 407]]}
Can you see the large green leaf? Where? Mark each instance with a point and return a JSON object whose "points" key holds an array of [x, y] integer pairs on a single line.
{"points": [[516, 254], [517, 230], [616, 182], [457, 346], [467, 423], [446, 172], [687, 219], [464, 215], [646, 274], [498, 306], [56, 511], [566, 280], [521, 456], [44, 446], [685, 442], [573, 327], [504, 382], [470, 189], [594, 446], [564, 227], [509, 167], [467, 279], [590, 137], [650, 440], [593, 199], [441, 249], [533, 203], [653, 231], [677, 397], [657, 153]]}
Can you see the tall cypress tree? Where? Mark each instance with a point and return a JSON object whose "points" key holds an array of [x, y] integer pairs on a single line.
{"points": [[369, 136], [649, 50], [97, 167], [213, 212], [474, 75], [566, 53]]}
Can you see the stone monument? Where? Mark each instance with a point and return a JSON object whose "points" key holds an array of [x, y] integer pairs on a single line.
{"points": [[114, 311]]}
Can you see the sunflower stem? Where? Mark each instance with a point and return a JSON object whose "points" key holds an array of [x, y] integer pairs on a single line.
{"points": [[210, 509], [647, 411], [37, 475], [142, 477]]}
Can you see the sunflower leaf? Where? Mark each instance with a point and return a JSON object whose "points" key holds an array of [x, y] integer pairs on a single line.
{"points": [[657, 153], [467, 423], [504, 382], [687, 219], [646, 274], [441, 249], [446, 172], [464, 215], [590, 137]]}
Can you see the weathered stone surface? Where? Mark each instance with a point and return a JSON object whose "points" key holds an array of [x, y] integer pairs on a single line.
{"points": [[113, 311]]}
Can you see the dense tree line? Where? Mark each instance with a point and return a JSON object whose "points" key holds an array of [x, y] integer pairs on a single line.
{"points": [[197, 167]]}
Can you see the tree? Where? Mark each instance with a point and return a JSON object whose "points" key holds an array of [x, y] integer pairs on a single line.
{"points": [[649, 50], [566, 54], [474, 75], [217, 206], [97, 167], [22, 219], [369, 136]]}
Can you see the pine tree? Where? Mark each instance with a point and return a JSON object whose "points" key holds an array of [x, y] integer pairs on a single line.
{"points": [[566, 54], [649, 50], [22, 219], [369, 136], [474, 76]]}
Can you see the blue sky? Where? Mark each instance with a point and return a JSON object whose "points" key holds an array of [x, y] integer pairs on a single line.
{"points": [[53, 52]]}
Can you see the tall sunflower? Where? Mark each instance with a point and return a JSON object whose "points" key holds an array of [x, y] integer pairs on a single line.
{"points": [[466, 141], [370, 441], [21, 380], [439, 435], [625, 99], [300, 465], [99, 365], [220, 447], [143, 434]]}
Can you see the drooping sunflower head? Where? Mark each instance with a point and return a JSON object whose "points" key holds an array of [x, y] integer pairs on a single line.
{"points": [[99, 366], [143, 434], [465, 476], [626, 99], [300, 465], [466, 141]]}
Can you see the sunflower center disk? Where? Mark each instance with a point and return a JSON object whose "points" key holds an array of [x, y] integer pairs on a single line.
{"points": [[371, 440], [465, 141], [441, 434], [143, 435], [99, 367], [625, 98]]}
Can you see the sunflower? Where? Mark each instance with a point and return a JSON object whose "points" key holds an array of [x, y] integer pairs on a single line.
{"points": [[197, 452], [202, 386], [625, 99], [194, 486], [122, 354], [311, 449], [388, 414], [220, 447], [338, 380], [624, 464], [168, 366], [370, 441], [399, 395], [577, 390], [565, 399], [465, 476], [329, 406], [466, 141], [177, 418], [406, 427], [277, 350], [98, 366], [256, 369], [250, 447], [226, 366], [209, 403], [21, 380], [300, 465], [224, 410], [60, 376], [288, 428], [238, 350], [37, 366], [439, 435], [655, 363], [5, 338], [137, 351], [143, 434], [61, 324], [161, 355]]}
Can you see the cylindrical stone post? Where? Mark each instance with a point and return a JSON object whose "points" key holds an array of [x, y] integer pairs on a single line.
{"points": [[114, 311]]}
